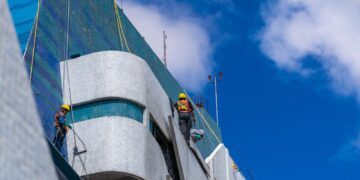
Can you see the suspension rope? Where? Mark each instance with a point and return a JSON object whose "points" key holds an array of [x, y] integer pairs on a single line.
{"points": [[34, 41], [70, 98], [73, 122], [67, 30], [203, 119], [206, 139], [66, 67], [120, 27], [73, 118], [122, 31], [63, 81], [66, 55], [66, 40]]}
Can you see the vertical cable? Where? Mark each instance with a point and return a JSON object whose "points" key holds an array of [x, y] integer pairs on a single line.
{"points": [[66, 63], [203, 119], [122, 31], [120, 28], [34, 42], [117, 25]]}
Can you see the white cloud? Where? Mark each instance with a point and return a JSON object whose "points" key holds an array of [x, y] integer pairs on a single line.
{"points": [[188, 43], [326, 29]]}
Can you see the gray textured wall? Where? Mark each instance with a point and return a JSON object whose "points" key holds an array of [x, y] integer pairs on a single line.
{"points": [[117, 74], [123, 75], [116, 143], [119, 144], [190, 165], [124, 145], [23, 151]]}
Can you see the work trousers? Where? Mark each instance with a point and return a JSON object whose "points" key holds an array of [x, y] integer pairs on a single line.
{"points": [[185, 123], [59, 137]]}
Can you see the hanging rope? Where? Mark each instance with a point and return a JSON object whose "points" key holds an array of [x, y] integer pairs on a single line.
{"points": [[203, 119], [120, 28], [207, 139], [67, 74], [66, 40], [34, 42], [122, 31], [66, 55], [70, 98]]}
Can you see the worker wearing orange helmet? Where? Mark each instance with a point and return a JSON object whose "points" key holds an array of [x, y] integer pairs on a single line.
{"points": [[186, 115], [61, 126]]}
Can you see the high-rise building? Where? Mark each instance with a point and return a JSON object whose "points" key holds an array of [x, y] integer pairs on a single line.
{"points": [[88, 54]]}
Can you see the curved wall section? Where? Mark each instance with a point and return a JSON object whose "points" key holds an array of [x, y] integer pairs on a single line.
{"points": [[118, 144], [116, 74]]}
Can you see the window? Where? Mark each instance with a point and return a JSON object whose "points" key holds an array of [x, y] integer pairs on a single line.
{"points": [[108, 107], [166, 148]]}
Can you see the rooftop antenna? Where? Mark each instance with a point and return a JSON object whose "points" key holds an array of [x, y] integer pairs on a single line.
{"points": [[164, 59], [216, 79]]}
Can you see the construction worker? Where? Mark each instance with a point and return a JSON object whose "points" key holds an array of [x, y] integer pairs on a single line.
{"points": [[61, 126], [186, 115]]}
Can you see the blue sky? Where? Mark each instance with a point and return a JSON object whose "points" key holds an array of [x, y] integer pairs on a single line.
{"points": [[285, 110]]}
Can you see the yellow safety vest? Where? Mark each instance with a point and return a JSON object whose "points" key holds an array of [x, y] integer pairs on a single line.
{"points": [[183, 106]]}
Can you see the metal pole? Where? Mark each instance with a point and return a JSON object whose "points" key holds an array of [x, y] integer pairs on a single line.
{"points": [[216, 101]]}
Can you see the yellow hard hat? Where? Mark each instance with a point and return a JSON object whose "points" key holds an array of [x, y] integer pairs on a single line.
{"points": [[66, 106], [182, 96]]}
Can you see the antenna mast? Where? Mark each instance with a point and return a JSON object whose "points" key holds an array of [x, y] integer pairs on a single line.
{"points": [[164, 59], [216, 80]]}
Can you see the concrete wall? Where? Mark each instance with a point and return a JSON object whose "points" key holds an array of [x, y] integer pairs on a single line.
{"points": [[23, 151], [220, 164], [115, 74], [190, 165], [118, 144]]}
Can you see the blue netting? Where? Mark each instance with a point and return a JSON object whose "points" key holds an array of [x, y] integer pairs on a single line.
{"points": [[46, 80], [109, 107], [23, 13], [93, 28]]}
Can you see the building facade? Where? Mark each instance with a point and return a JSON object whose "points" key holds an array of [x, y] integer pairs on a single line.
{"points": [[88, 54]]}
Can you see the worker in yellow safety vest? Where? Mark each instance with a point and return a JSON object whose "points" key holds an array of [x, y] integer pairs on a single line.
{"points": [[186, 115], [61, 126]]}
